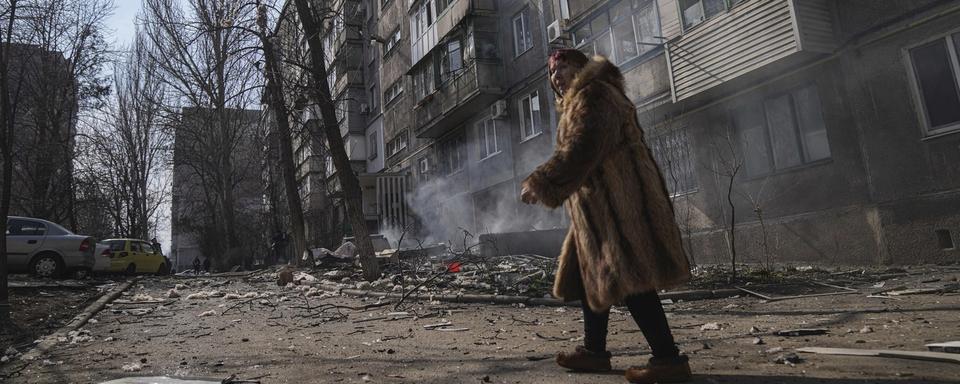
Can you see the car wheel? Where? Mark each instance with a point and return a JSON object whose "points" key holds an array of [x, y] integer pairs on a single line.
{"points": [[47, 265], [131, 269]]}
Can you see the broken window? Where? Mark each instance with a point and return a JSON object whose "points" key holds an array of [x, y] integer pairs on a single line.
{"points": [[673, 154], [697, 11], [785, 131], [936, 70], [392, 42], [453, 153], [627, 30]]}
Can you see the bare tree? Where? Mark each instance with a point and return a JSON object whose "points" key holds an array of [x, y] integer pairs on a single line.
{"points": [[311, 18], [51, 55], [727, 164], [129, 147], [64, 77], [208, 57], [281, 114]]}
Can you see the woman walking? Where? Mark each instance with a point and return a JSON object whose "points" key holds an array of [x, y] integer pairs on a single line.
{"points": [[623, 244]]}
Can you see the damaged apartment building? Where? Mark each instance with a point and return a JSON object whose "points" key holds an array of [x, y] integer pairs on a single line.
{"points": [[825, 131]]}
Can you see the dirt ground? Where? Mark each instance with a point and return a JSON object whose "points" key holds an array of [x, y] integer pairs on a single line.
{"points": [[41, 307], [283, 336]]}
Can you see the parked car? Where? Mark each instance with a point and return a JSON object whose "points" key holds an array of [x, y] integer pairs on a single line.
{"points": [[134, 256], [46, 249], [102, 258]]}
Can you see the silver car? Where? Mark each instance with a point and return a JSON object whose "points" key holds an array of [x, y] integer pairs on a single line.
{"points": [[46, 249]]}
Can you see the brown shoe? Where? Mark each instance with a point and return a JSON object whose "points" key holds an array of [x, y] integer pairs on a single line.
{"points": [[584, 360], [661, 371]]}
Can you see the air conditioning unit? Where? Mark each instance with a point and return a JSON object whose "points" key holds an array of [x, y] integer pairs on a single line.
{"points": [[364, 108], [555, 31], [499, 109]]}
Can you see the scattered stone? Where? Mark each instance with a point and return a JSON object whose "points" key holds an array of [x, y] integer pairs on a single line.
{"points": [[180, 287], [132, 367], [758, 341], [251, 295], [231, 296], [109, 339], [755, 330], [773, 350], [173, 293], [788, 358], [710, 327], [4, 359], [208, 313], [11, 351], [866, 329], [364, 285]]}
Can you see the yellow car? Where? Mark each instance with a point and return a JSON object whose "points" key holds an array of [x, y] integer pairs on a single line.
{"points": [[135, 256]]}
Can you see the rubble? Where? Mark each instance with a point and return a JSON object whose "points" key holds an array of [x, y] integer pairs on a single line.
{"points": [[207, 313], [132, 367], [710, 327], [788, 358], [173, 293]]}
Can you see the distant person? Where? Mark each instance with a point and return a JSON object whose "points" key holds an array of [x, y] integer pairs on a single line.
{"points": [[196, 265], [156, 246], [624, 243], [206, 264]]}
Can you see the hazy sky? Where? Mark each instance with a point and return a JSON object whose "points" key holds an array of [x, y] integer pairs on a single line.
{"points": [[122, 21]]}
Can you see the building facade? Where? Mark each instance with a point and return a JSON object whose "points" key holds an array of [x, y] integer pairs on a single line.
{"points": [[822, 131]]}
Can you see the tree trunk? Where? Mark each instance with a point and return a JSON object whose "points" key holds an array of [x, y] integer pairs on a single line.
{"points": [[733, 232], [282, 115], [7, 118], [348, 180]]}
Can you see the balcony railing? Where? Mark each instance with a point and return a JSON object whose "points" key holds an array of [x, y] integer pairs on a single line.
{"points": [[464, 94]]}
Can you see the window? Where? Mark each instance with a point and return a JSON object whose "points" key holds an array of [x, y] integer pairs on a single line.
{"points": [[451, 60], [443, 4], [936, 70], [117, 245], [782, 132], [487, 130], [697, 11], [392, 42], [673, 154], [424, 165], [530, 117], [373, 145], [522, 34], [17, 227], [374, 99], [422, 19], [423, 79], [626, 30], [398, 144], [453, 154], [564, 9], [393, 92]]}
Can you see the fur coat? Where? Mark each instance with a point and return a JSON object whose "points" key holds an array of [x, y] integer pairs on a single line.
{"points": [[623, 237]]}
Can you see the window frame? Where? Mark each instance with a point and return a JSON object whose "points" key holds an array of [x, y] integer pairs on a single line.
{"points": [[393, 42], [727, 6], [759, 104], [538, 128], [524, 17], [373, 145], [926, 130], [635, 7], [483, 138], [661, 142], [396, 86]]}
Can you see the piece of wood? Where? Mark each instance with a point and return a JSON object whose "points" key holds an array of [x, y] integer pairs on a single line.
{"points": [[911, 355], [802, 332]]}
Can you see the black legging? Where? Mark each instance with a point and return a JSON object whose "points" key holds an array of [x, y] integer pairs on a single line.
{"points": [[647, 312]]}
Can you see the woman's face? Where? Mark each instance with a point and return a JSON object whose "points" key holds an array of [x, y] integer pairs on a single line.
{"points": [[562, 74]]}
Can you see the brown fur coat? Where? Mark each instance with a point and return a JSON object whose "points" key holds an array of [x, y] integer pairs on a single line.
{"points": [[623, 237]]}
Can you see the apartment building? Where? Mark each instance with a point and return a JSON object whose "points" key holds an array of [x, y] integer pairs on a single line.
{"points": [[824, 130], [834, 121]]}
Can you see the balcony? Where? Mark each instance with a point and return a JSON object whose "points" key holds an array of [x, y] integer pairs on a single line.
{"points": [[466, 94], [755, 35]]}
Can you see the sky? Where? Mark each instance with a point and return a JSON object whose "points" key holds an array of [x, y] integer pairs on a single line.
{"points": [[121, 23]]}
